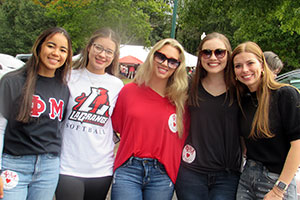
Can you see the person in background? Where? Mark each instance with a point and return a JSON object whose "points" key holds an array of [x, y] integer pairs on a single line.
{"points": [[131, 72], [269, 125], [211, 156], [150, 117], [33, 102], [274, 62], [87, 155]]}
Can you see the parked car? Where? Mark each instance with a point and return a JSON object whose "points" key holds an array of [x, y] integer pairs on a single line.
{"points": [[23, 57], [291, 77], [9, 63]]}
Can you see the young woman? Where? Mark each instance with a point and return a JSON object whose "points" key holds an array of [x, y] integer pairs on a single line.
{"points": [[32, 104], [149, 116], [88, 149], [211, 156], [269, 126]]}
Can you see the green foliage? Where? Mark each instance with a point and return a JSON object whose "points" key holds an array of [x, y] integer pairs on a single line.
{"points": [[198, 16], [21, 22], [76, 17], [140, 22], [131, 19], [273, 25]]}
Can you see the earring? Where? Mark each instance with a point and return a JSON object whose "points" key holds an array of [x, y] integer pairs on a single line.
{"points": [[262, 74], [236, 78]]}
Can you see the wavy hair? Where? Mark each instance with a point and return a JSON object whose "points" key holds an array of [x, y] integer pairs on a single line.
{"points": [[31, 67], [260, 125], [201, 73], [176, 90], [105, 32]]}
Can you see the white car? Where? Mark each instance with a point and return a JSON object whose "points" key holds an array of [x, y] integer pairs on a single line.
{"points": [[9, 63], [23, 56]]}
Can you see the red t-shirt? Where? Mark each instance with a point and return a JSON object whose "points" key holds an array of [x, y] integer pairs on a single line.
{"points": [[146, 122]]}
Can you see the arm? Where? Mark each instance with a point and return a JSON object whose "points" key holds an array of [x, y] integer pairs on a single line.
{"points": [[289, 170], [288, 102], [3, 123]]}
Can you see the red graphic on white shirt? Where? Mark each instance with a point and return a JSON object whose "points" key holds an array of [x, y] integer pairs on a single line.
{"points": [[172, 123], [188, 154], [92, 108], [10, 179]]}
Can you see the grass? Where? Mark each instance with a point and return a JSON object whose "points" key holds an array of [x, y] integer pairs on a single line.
{"points": [[126, 80]]}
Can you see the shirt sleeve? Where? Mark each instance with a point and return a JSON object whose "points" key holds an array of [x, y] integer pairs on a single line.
{"points": [[3, 123], [5, 97], [117, 114], [289, 109]]}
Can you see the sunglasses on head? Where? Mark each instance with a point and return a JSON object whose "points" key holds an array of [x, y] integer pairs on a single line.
{"points": [[160, 58], [207, 53]]}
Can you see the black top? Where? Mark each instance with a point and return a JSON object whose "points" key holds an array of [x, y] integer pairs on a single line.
{"points": [[284, 121], [41, 135], [214, 134]]}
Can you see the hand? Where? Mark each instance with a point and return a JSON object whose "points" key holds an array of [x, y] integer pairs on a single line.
{"points": [[274, 194]]}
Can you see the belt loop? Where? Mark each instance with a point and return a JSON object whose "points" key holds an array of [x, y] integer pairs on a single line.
{"points": [[155, 163], [130, 160]]}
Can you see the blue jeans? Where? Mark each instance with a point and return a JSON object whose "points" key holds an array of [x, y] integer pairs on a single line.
{"points": [[256, 181], [191, 185], [141, 179], [31, 177]]}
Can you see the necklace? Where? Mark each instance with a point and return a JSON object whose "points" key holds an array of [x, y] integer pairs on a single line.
{"points": [[94, 82]]}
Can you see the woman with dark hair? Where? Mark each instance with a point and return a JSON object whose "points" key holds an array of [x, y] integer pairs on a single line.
{"points": [[87, 155], [211, 156], [33, 100], [149, 116], [274, 62], [269, 125]]}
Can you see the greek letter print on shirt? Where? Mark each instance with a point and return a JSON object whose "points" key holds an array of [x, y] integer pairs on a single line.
{"points": [[39, 107], [92, 108]]}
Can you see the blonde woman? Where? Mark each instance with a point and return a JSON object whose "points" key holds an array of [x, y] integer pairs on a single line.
{"points": [[149, 115], [269, 126]]}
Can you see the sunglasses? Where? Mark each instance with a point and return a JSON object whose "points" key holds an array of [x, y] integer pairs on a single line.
{"points": [[207, 53], [160, 58]]}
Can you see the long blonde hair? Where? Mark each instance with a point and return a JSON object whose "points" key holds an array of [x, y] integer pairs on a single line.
{"points": [[260, 125], [176, 90]]}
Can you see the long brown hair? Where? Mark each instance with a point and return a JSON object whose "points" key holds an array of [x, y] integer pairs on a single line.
{"points": [[201, 73], [260, 125], [177, 85], [83, 60], [31, 71]]}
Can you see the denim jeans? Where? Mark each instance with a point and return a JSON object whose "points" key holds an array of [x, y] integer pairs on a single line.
{"points": [[141, 179], [256, 181], [191, 185], [31, 177]]}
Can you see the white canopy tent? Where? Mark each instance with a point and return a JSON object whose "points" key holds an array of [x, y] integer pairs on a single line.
{"points": [[141, 53]]}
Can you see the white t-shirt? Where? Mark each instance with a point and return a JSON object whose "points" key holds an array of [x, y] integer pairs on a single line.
{"points": [[87, 145]]}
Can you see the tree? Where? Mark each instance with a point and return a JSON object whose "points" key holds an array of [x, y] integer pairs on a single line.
{"points": [[264, 26], [274, 26], [21, 22], [131, 19], [198, 16]]}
